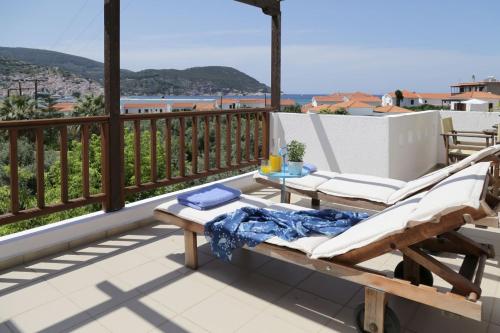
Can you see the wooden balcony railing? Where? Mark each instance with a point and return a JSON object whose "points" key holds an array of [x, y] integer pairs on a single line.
{"points": [[195, 145]]}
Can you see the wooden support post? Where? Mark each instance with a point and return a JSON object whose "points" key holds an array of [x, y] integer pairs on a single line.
{"points": [[411, 270], [191, 249], [375, 301], [115, 199], [315, 203], [276, 61]]}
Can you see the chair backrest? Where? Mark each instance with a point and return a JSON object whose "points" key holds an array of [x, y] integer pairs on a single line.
{"points": [[498, 134], [447, 125]]}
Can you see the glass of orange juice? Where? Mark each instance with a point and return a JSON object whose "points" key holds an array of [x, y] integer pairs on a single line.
{"points": [[275, 162], [265, 168]]}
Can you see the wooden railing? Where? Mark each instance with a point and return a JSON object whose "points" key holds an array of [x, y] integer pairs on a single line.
{"points": [[207, 143], [35, 128]]}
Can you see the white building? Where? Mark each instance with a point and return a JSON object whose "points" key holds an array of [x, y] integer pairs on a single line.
{"points": [[411, 98], [355, 108], [475, 101], [134, 108]]}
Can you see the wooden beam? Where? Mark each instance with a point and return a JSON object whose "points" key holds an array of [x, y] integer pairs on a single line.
{"points": [[114, 200], [276, 62], [269, 7]]}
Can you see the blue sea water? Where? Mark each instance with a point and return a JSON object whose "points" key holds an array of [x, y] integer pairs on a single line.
{"points": [[299, 98]]}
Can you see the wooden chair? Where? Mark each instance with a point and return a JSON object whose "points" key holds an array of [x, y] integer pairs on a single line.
{"points": [[456, 146]]}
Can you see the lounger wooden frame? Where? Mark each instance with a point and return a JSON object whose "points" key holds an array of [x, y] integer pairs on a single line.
{"points": [[462, 299], [373, 206]]}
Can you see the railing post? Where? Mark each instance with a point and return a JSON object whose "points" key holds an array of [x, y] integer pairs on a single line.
{"points": [[275, 75], [114, 200]]}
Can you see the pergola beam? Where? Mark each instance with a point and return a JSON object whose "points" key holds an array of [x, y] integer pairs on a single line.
{"points": [[269, 7]]}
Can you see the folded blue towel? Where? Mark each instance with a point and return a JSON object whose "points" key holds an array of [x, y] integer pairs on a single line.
{"points": [[209, 197], [310, 167]]}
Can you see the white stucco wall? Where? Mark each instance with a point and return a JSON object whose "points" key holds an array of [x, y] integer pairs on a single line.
{"points": [[400, 146]]}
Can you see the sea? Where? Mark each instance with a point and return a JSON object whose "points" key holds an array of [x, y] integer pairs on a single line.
{"points": [[299, 98]]}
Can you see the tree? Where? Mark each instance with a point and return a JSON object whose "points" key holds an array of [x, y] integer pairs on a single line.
{"points": [[89, 106], [399, 97], [18, 108], [297, 108]]}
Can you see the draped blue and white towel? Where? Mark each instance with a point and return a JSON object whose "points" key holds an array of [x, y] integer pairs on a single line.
{"points": [[251, 226]]}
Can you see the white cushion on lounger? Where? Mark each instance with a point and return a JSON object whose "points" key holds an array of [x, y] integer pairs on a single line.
{"points": [[390, 221], [204, 216], [362, 186], [312, 181], [417, 185], [306, 244], [307, 183], [474, 158], [458, 191]]}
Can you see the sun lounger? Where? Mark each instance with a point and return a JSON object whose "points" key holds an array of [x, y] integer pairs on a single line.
{"points": [[375, 193], [410, 227]]}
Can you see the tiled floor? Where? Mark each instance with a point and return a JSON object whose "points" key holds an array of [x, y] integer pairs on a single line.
{"points": [[137, 283]]}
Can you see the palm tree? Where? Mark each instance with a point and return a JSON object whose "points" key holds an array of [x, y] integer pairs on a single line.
{"points": [[18, 108], [399, 97], [89, 106]]}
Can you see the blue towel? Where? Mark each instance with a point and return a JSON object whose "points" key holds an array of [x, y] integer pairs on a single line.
{"points": [[310, 167], [252, 226], [209, 197]]}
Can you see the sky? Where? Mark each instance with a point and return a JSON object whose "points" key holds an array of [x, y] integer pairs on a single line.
{"points": [[327, 45]]}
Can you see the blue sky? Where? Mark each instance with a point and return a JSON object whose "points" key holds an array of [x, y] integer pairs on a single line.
{"points": [[328, 45]]}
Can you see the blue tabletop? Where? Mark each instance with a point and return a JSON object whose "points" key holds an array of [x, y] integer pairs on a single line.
{"points": [[284, 174]]}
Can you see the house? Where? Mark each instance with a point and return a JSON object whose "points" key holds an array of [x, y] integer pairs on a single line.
{"points": [[437, 99], [489, 84], [134, 108], [285, 103], [187, 106], [327, 100], [354, 108], [254, 103], [205, 106], [391, 109], [364, 98], [66, 108], [410, 98], [227, 103], [474, 101]]}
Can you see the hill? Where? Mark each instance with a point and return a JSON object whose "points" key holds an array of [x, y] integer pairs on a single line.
{"points": [[192, 81]]}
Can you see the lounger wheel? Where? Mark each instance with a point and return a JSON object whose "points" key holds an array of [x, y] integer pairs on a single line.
{"points": [[391, 321], [425, 277]]}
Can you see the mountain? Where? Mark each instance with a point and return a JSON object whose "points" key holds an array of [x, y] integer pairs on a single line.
{"points": [[192, 81]]}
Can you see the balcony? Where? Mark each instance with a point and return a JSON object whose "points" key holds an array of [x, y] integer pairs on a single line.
{"points": [[123, 271]]}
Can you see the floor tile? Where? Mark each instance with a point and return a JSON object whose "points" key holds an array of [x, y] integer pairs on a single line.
{"points": [[284, 272], [266, 322], [220, 313], [87, 327], [336, 290], [55, 316], [304, 310], [26, 298], [102, 297], [179, 324], [257, 290], [343, 321], [78, 279], [122, 262], [182, 293], [218, 274], [5, 329], [149, 276], [136, 315]]}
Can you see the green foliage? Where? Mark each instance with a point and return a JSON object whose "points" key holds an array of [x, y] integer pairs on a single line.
{"points": [[339, 111], [25, 107], [426, 107], [296, 151], [399, 97], [89, 106], [297, 108]]}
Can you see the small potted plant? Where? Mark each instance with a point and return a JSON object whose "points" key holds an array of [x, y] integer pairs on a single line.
{"points": [[296, 152]]}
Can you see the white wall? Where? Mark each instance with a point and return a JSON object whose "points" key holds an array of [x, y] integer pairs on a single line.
{"points": [[472, 121], [401, 146]]}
